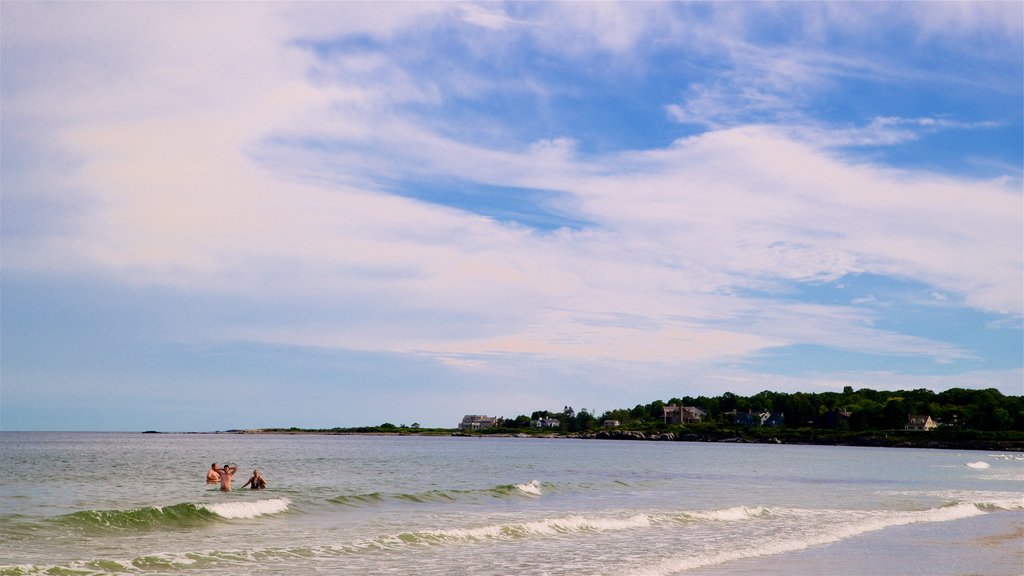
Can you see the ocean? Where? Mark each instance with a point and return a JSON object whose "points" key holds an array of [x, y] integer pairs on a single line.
{"points": [[120, 503]]}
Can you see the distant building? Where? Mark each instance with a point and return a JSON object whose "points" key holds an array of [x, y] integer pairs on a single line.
{"points": [[682, 414], [612, 423], [756, 419], [546, 423], [747, 418], [693, 415], [925, 423], [773, 420], [474, 422], [834, 418]]}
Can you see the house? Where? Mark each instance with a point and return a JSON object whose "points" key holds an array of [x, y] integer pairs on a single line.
{"points": [[915, 422], [546, 423], [674, 414], [773, 420], [612, 424], [693, 415], [757, 419], [475, 422], [834, 418], [747, 418]]}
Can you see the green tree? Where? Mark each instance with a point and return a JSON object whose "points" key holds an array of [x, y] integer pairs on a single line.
{"points": [[520, 422], [584, 421], [895, 413]]}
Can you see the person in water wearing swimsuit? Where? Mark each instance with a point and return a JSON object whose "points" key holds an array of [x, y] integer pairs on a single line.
{"points": [[213, 474], [257, 482], [226, 474]]}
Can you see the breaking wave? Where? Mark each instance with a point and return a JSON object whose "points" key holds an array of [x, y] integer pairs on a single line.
{"points": [[779, 530], [866, 522], [248, 509], [182, 515], [531, 489]]}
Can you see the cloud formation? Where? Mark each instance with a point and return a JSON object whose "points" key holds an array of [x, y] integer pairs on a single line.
{"points": [[275, 163]]}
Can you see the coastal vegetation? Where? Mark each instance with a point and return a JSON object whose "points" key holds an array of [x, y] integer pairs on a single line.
{"points": [[861, 410], [963, 418]]}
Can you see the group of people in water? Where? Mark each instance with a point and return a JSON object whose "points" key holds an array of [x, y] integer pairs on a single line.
{"points": [[224, 475]]}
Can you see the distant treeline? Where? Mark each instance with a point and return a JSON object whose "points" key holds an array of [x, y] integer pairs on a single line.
{"points": [[849, 410]]}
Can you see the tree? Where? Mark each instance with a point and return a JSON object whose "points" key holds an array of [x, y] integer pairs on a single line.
{"points": [[584, 421], [799, 410], [520, 422], [894, 413], [639, 413]]}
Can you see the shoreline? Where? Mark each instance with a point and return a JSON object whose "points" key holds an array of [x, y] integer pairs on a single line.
{"points": [[953, 548], [887, 440]]}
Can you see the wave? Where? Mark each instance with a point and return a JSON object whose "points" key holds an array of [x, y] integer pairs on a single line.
{"points": [[984, 500], [840, 525], [235, 510], [868, 522], [544, 527], [184, 515], [729, 514], [978, 465], [783, 530], [178, 515], [533, 488]]}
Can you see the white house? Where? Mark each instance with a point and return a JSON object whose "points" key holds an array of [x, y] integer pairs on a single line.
{"points": [[546, 423]]}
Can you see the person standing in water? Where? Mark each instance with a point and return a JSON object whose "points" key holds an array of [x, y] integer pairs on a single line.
{"points": [[226, 474], [213, 474], [257, 482]]}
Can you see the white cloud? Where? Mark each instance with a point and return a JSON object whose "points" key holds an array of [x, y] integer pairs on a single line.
{"points": [[487, 17], [167, 140]]}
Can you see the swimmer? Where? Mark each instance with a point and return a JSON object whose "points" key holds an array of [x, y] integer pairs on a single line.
{"points": [[213, 474], [257, 482], [226, 474]]}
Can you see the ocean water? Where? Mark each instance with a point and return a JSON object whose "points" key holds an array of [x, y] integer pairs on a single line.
{"points": [[113, 503]]}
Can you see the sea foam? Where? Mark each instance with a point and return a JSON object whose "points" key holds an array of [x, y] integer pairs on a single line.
{"points": [[734, 514], [978, 465], [769, 547], [235, 510], [532, 487]]}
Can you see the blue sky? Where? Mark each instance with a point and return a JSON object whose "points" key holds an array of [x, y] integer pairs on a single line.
{"points": [[339, 214]]}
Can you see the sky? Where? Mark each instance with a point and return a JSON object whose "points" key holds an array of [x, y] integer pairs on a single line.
{"points": [[239, 215]]}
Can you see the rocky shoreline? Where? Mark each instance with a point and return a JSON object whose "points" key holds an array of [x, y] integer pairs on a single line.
{"points": [[801, 438], [864, 441], [874, 440]]}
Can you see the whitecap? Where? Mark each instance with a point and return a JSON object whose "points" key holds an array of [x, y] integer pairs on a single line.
{"points": [[531, 487], [730, 514], [979, 465], [248, 509], [542, 527], [869, 522]]}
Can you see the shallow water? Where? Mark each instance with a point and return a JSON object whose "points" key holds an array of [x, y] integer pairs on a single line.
{"points": [[138, 503]]}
